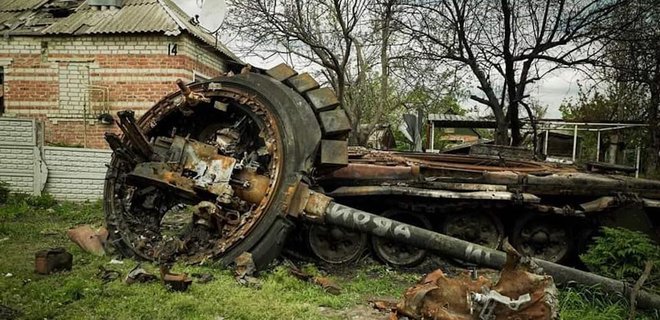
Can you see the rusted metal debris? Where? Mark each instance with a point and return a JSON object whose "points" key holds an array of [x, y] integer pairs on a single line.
{"points": [[518, 293], [107, 275], [139, 275], [174, 281], [52, 260], [245, 269]]}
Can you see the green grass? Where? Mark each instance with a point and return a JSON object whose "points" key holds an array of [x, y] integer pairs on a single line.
{"points": [[79, 294], [29, 224]]}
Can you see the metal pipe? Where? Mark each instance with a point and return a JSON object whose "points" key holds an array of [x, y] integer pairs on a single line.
{"points": [[353, 219], [432, 137], [637, 161], [575, 142], [603, 124], [598, 147], [545, 143]]}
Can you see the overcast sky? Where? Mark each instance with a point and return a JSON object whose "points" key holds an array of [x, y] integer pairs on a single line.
{"points": [[556, 87]]}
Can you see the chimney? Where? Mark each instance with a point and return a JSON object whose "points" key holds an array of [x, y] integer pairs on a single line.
{"points": [[104, 4]]}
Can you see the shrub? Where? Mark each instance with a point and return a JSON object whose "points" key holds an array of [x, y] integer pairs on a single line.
{"points": [[621, 254], [44, 201], [20, 204], [4, 192]]}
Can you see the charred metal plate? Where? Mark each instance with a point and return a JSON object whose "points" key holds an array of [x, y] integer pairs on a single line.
{"points": [[303, 82], [334, 122], [281, 72], [322, 99]]}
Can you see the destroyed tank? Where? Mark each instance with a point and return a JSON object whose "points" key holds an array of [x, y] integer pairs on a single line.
{"points": [[258, 159]]}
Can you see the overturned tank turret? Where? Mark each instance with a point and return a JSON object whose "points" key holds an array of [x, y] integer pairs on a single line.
{"points": [[207, 172]]}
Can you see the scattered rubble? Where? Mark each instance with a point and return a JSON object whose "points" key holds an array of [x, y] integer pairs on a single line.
{"points": [[518, 293], [53, 260], [139, 275], [107, 275], [245, 269]]}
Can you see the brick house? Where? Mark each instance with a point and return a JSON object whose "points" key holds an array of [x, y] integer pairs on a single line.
{"points": [[68, 62]]}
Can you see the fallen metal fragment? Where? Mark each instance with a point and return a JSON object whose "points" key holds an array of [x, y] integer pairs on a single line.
{"points": [[107, 275], [174, 281], [244, 269], [88, 239], [53, 260], [139, 275], [518, 294], [384, 305]]}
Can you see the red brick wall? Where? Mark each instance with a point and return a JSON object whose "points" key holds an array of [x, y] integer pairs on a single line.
{"points": [[77, 78]]}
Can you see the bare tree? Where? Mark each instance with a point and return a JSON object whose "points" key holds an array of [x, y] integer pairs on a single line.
{"points": [[633, 59], [344, 39], [507, 45]]}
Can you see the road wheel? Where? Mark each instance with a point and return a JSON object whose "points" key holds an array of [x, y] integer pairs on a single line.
{"points": [[543, 237], [397, 254]]}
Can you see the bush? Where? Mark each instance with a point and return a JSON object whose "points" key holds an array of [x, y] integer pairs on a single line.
{"points": [[621, 254], [20, 204], [4, 192]]}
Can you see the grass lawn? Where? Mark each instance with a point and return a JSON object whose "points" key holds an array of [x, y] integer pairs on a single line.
{"points": [[29, 225]]}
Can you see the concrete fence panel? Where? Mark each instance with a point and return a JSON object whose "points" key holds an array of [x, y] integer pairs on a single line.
{"points": [[67, 173], [21, 164], [76, 174]]}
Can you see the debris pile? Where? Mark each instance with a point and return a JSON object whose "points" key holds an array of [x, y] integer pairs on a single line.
{"points": [[518, 293]]}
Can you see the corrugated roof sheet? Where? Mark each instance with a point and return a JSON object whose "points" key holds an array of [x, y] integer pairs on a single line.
{"points": [[148, 17], [20, 5], [135, 16]]}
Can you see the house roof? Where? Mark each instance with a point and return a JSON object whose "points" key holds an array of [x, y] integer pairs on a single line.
{"points": [[76, 17]]}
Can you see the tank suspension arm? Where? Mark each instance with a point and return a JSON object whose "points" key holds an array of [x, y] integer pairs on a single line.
{"points": [[330, 212]]}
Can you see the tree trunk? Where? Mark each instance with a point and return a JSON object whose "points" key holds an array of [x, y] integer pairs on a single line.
{"points": [[501, 134], [652, 157], [516, 138]]}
